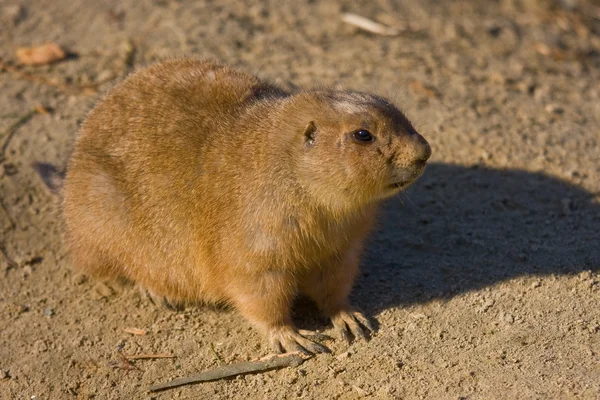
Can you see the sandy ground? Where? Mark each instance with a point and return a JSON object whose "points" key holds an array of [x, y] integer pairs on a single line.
{"points": [[483, 278]]}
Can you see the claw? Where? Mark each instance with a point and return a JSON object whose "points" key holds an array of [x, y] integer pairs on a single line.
{"points": [[364, 321], [352, 323], [358, 331], [288, 339], [315, 336], [277, 347], [345, 334], [299, 348], [319, 348]]}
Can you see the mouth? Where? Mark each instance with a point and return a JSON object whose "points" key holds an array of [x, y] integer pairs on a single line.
{"points": [[398, 185], [403, 178]]}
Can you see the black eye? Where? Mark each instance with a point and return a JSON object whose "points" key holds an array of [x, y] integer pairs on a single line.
{"points": [[363, 136]]}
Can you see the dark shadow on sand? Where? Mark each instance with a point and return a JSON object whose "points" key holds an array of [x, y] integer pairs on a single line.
{"points": [[462, 229]]}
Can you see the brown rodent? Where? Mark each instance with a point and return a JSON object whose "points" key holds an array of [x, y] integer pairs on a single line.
{"points": [[200, 183]]}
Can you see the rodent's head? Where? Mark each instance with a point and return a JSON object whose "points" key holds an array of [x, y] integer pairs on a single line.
{"points": [[356, 148]]}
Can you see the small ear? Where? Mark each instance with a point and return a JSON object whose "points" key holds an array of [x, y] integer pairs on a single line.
{"points": [[310, 133]]}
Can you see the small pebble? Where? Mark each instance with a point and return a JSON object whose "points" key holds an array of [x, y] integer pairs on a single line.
{"points": [[554, 109], [48, 312], [102, 291], [79, 279], [39, 346], [489, 303], [104, 75], [507, 318], [359, 390]]}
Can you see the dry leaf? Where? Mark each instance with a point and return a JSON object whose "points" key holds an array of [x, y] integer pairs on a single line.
{"points": [[369, 25], [40, 109], [45, 54], [135, 331], [542, 48], [552, 52]]}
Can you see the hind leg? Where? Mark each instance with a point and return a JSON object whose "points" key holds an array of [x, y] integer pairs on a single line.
{"points": [[90, 261], [96, 220]]}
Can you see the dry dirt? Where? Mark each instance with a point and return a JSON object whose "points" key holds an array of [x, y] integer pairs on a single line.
{"points": [[483, 278]]}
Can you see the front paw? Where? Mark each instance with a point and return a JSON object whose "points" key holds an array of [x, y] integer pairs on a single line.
{"points": [[288, 339], [351, 323]]}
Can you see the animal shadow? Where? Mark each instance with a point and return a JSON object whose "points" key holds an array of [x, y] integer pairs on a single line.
{"points": [[460, 229]]}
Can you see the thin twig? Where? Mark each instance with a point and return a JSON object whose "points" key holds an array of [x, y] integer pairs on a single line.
{"points": [[10, 219], [12, 264], [124, 363], [9, 133], [148, 356], [227, 371], [71, 89], [217, 356]]}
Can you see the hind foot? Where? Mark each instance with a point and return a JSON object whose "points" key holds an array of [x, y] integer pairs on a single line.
{"points": [[159, 300]]}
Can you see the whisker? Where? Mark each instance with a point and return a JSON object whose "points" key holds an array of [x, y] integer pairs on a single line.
{"points": [[409, 200]]}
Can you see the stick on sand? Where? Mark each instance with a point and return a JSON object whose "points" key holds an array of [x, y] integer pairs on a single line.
{"points": [[227, 371]]}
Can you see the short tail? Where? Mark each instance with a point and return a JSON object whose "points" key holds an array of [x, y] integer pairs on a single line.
{"points": [[52, 177]]}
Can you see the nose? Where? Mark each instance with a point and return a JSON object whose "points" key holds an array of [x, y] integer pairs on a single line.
{"points": [[422, 150], [425, 152]]}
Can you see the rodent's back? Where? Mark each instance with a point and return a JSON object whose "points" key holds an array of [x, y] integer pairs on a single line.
{"points": [[164, 125], [168, 108]]}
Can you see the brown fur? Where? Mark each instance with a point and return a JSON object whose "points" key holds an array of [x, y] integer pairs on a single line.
{"points": [[202, 183]]}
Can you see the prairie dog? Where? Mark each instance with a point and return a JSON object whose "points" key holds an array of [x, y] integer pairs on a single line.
{"points": [[202, 183]]}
